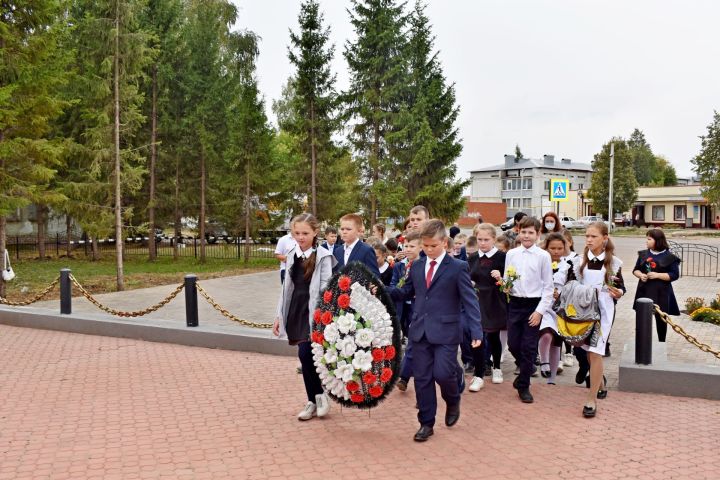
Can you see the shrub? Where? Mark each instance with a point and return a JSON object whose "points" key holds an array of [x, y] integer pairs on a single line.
{"points": [[706, 314], [715, 303], [693, 303]]}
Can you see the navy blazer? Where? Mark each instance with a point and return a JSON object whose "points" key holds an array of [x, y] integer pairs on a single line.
{"points": [[362, 253], [398, 272], [438, 311]]}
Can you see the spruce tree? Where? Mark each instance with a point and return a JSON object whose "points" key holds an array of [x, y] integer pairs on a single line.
{"points": [[32, 73], [378, 68], [642, 156]]}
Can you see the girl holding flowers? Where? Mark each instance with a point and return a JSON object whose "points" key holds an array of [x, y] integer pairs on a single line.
{"points": [[309, 269], [657, 267]]}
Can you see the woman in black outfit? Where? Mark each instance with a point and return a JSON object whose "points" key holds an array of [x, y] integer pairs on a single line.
{"points": [[656, 268]]}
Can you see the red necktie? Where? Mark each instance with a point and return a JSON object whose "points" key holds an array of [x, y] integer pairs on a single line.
{"points": [[429, 276]]}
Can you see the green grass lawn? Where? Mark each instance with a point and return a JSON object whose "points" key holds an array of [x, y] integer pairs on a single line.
{"points": [[100, 276]]}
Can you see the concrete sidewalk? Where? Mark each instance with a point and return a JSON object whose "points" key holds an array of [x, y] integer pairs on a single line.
{"points": [[90, 407]]}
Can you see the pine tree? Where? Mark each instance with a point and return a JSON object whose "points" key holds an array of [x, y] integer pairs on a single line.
{"points": [[625, 185], [707, 162], [433, 142], [32, 73], [518, 153], [378, 69]]}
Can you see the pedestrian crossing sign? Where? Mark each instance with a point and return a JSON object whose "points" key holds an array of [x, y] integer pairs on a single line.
{"points": [[559, 189]]}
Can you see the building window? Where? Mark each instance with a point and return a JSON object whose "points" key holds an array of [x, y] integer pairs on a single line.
{"points": [[527, 202], [515, 203], [527, 183], [696, 211], [679, 212], [546, 186], [658, 213]]}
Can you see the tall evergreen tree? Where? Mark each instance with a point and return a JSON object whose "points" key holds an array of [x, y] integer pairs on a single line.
{"points": [[378, 68], [707, 162], [32, 72], [308, 112], [642, 157], [625, 185], [433, 143]]}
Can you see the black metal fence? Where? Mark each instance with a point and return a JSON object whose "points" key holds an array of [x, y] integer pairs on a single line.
{"points": [[698, 260], [21, 247]]}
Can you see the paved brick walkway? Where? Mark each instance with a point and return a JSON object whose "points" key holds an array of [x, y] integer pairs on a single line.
{"points": [[86, 407]]}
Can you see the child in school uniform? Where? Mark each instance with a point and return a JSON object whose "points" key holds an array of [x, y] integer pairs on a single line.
{"points": [[404, 309], [531, 294], [353, 249], [485, 269], [442, 290], [550, 344], [568, 358], [331, 235], [459, 250], [308, 271], [386, 272]]}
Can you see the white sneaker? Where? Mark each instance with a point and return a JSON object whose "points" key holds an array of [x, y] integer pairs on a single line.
{"points": [[476, 384], [568, 359], [322, 403], [560, 366], [308, 412], [497, 376]]}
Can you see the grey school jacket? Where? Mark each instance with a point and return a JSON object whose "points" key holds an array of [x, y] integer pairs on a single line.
{"points": [[324, 264]]}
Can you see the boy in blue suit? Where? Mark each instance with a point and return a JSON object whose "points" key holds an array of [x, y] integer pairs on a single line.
{"points": [[331, 235], [354, 249], [442, 290]]}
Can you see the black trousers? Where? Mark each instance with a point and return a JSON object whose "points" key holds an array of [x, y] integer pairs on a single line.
{"points": [[313, 385], [661, 328], [522, 338]]}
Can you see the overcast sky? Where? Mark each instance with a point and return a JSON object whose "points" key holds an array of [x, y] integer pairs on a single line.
{"points": [[555, 76]]}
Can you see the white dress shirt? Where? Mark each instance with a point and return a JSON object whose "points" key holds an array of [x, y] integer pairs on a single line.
{"points": [[438, 261], [284, 245], [489, 253], [348, 249], [534, 267]]}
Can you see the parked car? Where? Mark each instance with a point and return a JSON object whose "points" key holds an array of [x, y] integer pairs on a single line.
{"points": [[587, 220], [569, 222], [508, 224]]}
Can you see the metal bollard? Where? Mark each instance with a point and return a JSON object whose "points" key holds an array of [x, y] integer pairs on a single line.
{"points": [[643, 331], [191, 301], [65, 292]]}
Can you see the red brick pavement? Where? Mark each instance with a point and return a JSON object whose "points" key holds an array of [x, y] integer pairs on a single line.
{"points": [[84, 407]]}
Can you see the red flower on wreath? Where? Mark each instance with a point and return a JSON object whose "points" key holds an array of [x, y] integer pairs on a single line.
{"points": [[357, 398], [343, 301], [378, 354], [352, 386], [326, 318], [389, 352], [316, 315], [386, 375], [375, 391], [344, 283], [369, 378], [317, 337], [327, 296]]}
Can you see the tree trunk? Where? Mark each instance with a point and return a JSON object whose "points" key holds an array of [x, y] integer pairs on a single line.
{"points": [[202, 206], [375, 166], [153, 160], [313, 159], [68, 235], [176, 213], [42, 214], [118, 200], [95, 249], [247, 213]]}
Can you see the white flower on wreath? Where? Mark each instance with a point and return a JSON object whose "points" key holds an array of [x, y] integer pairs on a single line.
{"points": [[331, 333], [331, 356], [346, 347], [362, 360], [364, 337], [346, 323], [345, 371]]}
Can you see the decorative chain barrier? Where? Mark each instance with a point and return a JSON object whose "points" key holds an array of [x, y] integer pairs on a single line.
{"points": [[36, 298], [120, 313], [666, 318], [229, 315]]}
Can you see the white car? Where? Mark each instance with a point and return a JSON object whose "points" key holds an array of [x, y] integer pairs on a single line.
{"points": [[585, 221], [569, 222]]}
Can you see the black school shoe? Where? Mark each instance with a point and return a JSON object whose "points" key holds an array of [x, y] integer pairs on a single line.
{"points": [[525, 395], [423, 433], [589, 412]]}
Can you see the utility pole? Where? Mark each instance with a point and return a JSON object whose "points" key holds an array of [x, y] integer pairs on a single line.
{"points": [[610, 189]]}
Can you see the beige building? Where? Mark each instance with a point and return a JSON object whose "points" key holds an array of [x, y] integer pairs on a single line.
{"points": [[681, 205]]}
